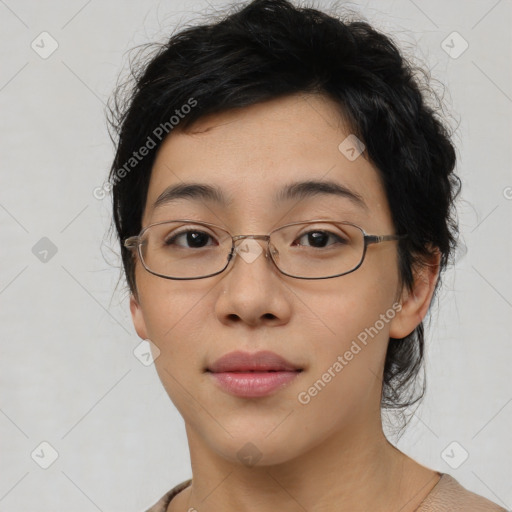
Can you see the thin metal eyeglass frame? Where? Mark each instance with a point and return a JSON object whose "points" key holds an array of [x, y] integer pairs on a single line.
{"points": [[135, 242]]}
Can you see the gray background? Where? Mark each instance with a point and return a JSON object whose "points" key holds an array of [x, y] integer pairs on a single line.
{"points": [[68, 374]]}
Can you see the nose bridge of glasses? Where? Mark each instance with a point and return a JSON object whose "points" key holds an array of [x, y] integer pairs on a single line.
{"points": [[251, 246], [254, 237]]}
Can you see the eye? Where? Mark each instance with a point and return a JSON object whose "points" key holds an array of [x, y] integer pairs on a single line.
{"points": [[188, 238], [319, 239]]}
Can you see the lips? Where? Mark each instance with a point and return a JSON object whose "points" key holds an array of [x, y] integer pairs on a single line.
{"points": [[264, 361], [252, 375]]}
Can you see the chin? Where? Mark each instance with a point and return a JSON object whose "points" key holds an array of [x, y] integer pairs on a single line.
{"points": [[256, 448]]}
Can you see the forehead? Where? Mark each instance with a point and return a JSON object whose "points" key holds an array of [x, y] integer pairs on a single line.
{"points": [[255, 160]]}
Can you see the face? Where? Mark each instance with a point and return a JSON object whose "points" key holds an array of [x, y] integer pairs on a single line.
{"points": [[250, 155]]}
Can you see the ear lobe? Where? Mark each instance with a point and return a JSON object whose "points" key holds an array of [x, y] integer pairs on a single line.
{"points": [[138, 317], [415, 302]]}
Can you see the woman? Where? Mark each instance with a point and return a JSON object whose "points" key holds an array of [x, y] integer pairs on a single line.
{"points": [[283, 196]]}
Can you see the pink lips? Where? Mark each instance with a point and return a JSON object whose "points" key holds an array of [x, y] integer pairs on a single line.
{"points": [[252, 375]]}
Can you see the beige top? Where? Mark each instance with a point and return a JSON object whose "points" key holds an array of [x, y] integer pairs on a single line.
{"points": [[446, 496]]}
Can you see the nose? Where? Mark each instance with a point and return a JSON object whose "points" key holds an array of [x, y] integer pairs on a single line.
{"points": [[250, 247], [252, 290]]}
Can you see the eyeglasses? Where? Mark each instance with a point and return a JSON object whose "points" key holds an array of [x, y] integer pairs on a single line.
{"points": [[316, 249]]}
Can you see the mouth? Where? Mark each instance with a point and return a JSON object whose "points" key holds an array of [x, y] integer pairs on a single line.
{"points": [[264, 361], [252, 375]]}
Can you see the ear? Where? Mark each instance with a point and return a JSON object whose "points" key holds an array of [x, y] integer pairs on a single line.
{"points": [[415, 302], [138, 317]]}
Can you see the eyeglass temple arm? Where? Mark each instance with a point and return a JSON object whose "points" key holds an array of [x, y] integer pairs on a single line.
{"points": [[131, 242], [376, 239]]}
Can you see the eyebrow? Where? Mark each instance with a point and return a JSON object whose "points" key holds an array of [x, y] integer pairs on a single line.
{"points": [[293, 191], [311, 188]]}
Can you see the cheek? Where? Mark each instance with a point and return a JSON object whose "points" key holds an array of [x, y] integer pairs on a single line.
{"points": [[176, 322], [343, 385], [176, 317], [348, 305], [355, 343], [353, 317], [170, 308]]}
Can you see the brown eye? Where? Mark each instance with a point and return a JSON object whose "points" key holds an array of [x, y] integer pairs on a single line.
{"points": [[189, 239], [320, 239]]}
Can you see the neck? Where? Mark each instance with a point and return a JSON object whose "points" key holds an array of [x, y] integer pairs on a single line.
{"points": [[364, 473]]}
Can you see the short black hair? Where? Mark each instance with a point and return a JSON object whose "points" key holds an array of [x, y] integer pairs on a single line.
{"points": [[266, 49]]}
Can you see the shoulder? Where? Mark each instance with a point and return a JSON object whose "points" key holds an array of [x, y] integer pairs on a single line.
{"points": [[449, 496], [162, 504]]}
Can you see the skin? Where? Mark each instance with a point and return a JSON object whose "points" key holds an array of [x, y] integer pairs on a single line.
{"points": [[330, 454]]}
